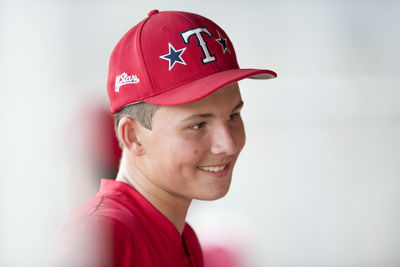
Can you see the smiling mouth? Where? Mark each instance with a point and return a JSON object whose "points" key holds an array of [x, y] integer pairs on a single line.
{"points": [[213, 169]]}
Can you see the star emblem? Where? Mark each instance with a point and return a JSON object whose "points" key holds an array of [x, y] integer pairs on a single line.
{"points": [[223, 42], [174, 56]]}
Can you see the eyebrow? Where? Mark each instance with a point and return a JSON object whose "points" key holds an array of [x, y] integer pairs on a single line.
{"points": [[210, 115]]}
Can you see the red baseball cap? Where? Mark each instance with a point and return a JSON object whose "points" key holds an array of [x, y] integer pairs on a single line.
{"points": [[173, 58]]}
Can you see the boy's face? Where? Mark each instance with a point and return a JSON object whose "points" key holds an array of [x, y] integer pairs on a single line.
{"points": [[192, 149]]}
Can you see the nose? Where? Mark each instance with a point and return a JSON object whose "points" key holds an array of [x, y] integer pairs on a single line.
{"points": [[226, 141]]}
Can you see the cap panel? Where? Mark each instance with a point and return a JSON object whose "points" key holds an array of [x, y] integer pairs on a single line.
{"points": [[181, 47], [127, 78]]}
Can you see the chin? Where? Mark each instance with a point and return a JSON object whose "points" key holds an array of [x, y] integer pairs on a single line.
{"points": [[213, 195]]}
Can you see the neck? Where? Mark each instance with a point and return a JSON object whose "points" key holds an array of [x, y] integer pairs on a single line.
{"points": [[174, 208]]}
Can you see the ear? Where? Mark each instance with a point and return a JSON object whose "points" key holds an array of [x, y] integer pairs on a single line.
{"points": [[129, 132]]}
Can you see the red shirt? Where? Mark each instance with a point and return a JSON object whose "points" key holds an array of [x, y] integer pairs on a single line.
{"points": [[119, 227]]}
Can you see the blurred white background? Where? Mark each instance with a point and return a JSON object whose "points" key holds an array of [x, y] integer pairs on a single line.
{"points": [[318, 181]]}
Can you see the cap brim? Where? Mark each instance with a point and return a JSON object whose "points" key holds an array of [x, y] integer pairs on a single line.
{"points": [[200, 88]]}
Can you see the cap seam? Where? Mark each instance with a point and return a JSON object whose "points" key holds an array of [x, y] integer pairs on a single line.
{"points": [[183, 16], [142, 55]]}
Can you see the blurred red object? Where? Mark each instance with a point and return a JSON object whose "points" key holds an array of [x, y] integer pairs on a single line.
{"points": [[99, 136], [91, 135], [219, 256]]}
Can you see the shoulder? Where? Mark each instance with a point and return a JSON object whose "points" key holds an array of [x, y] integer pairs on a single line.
{"points": [[105, 209], [91, 241], [105, 216], [102, 232]]}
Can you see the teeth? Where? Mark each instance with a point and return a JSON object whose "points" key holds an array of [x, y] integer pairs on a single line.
{"points": [[213, 169]]}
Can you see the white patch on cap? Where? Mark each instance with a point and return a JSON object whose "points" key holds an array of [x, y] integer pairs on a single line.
{"points": [[124, 79]]}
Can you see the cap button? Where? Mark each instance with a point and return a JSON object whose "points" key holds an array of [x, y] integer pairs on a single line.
{"points": [[153, 12]]}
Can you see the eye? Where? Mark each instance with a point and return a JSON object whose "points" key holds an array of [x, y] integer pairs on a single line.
{"points": [[233, 116], [198, 126]]}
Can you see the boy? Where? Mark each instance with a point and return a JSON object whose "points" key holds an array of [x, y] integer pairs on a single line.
{"points": [[173, 89]]}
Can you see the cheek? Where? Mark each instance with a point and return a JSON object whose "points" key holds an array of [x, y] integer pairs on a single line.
{"points": [[185, 152]]}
